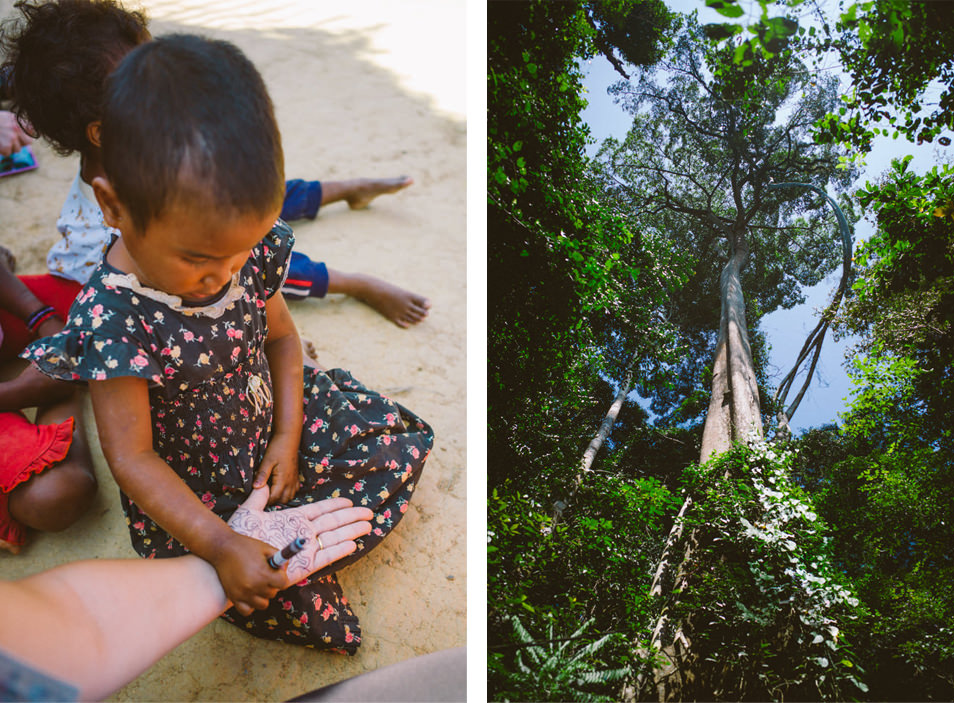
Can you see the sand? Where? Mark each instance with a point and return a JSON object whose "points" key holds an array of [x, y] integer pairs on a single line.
{"points": [[374, 88]]}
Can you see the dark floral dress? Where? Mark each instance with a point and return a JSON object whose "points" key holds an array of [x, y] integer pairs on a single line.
{"points": [[211, 413]]}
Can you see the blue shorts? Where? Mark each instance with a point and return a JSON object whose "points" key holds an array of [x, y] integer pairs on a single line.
{"points": [[306, 278], [302, 200]]}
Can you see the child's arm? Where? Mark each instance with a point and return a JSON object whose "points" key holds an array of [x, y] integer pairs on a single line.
{"points": [[20, 301], [30, 389], [121, 406], [279, 466]]}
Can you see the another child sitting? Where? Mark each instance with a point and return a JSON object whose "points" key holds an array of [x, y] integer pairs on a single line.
{"points": [[193, 362], [58, 56], [46, 473]]}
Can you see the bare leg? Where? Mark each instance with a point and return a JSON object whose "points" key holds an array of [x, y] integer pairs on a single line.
{"points": [[59, 496], [400, 306], [359, 192]]}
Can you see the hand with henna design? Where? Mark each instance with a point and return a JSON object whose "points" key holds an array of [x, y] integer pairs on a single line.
{"points": [[50, 618], [335, 521]]}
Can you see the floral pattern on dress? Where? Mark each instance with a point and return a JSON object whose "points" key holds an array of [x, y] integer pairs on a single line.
{"points": [[211, 415]]}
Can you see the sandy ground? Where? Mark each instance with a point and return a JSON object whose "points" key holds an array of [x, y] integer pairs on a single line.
{"points": [[374, 88]]}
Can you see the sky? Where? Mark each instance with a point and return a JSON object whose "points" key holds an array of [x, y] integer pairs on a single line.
{"points": [[786, 330]]}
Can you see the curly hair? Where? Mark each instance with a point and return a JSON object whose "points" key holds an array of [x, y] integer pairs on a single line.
{"points": [[57, 57]]}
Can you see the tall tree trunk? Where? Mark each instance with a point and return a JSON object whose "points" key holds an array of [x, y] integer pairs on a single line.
{"points": [[733, 414], [606, 427]]}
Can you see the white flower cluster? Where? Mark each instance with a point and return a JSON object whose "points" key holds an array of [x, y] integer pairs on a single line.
{"points": [[786, 519], [784, 513]]}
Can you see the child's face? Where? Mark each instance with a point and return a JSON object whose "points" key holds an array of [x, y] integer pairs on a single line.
{"points": [[191, 251]]}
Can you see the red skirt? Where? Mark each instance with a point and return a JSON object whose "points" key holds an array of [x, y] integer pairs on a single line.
{"points": [[25, 451]]}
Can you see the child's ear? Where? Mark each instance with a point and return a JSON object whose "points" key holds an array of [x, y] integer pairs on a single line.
{"points": [[93, 132], [113, 210]]}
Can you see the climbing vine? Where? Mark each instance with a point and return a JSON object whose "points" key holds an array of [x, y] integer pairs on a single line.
{"points": [[768, 593]]}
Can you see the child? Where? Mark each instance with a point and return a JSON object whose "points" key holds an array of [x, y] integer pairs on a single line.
{"points": [[46, 473], [58, 57], [194, 363]]}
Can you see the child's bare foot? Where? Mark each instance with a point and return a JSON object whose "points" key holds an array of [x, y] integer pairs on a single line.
{"points": [[359, 192], [7, 259], [367, 189], [310, 354], [400, 306]]}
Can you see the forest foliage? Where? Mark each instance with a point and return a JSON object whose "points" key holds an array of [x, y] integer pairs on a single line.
{"points": [[833, 577]]}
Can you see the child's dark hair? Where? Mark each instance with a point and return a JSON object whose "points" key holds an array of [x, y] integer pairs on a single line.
{"points": [[57, 57], [188, 119]]}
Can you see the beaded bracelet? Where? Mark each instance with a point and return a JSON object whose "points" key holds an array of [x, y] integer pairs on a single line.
{"points": [[39, 317]]}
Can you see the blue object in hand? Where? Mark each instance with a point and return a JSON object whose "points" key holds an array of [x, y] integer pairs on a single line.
{"points": [[278, 558]]}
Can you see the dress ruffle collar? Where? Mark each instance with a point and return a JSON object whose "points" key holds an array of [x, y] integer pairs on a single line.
{"points": [[213, 310]]}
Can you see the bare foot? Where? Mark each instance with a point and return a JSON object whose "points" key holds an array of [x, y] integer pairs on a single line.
{"points": [[310, 354], [7, 259], [359, 192], [400, 306]]}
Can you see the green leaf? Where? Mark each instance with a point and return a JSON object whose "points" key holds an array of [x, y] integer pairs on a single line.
{"points": [[720, 31], [726, 8], [782, 26]]}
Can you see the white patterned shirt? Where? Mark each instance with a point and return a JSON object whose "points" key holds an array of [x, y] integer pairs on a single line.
{"points": [[85, 235]]}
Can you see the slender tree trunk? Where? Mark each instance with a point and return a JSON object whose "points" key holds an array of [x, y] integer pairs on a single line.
{"points": [[733, 414], [606, 427]]}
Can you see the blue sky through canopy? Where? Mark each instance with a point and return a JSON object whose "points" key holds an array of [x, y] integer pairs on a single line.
{"points": [[786, 329]]}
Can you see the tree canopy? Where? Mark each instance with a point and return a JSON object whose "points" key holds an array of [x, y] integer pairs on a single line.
{"points": [[625, 559]]}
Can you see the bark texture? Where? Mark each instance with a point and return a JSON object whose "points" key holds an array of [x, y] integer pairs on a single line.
{"points": [[734, 414]]}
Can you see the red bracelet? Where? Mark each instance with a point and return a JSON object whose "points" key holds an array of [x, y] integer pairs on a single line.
{"points": [[35, 323]]}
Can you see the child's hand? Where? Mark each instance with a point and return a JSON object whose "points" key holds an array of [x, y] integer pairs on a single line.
{"points": [[279, 469], [247, 579], [333, 521]]}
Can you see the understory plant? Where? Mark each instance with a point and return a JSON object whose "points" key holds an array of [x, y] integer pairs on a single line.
{"points": [[557, 668], [769, 612]]}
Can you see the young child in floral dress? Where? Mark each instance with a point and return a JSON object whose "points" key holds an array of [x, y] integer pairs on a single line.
{"points": [[57, 55], [193, 362]]}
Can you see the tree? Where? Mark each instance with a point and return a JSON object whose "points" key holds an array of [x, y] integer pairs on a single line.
{"points": [[884, 480], [703, 155], [894, 50], [896, 53], [886, 496], [903, 306], [573, 291], [606, 427], [563, 268], [701, 158]]}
